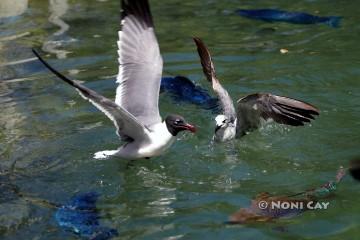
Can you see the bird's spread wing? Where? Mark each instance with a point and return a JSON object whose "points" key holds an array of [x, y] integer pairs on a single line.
{"points": [[282, 110], [209, 71], [140, 63], [126, 124]]}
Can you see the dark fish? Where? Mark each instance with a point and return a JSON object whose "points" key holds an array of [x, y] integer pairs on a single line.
{"points": [[355, 169], [182, 89], [80, 216], [259, 210], [273, 15]]}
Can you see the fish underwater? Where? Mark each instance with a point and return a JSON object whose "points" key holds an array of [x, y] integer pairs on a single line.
{"points": [[260, 210], [273, 15], [80, 216], [182, 89], [355, 169]]}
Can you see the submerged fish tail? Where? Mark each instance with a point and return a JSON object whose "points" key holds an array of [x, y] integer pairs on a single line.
{"points": [[333, 21]]}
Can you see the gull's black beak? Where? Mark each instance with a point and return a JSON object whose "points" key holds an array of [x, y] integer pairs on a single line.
{"points": [[217, 128]]}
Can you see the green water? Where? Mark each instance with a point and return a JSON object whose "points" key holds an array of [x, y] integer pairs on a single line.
{"points": [[48, 134]]}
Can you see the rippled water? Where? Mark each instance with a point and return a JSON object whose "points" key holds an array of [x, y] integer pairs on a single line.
{"points": [[48, 133]]}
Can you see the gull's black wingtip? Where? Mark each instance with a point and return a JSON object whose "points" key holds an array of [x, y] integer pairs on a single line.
{"points": [[199, 43], [205, 59], [196, 39], [37, 55], [47, 65], [34, 51], [138, 8]]}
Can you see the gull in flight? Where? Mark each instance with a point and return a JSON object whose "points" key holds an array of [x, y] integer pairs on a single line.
{"points": [[252, 108], [135, 111]]}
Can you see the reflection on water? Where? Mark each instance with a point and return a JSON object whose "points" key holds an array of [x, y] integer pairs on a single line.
{"points": [[58, 9], [161, 197], [11, 8], [12, 119], [11, 124]]}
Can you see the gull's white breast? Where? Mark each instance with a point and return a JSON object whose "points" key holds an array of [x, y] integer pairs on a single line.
{"points": [[159, 140]]}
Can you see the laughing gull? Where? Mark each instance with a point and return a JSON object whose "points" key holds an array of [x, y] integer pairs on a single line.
{"points": [[135, 112], [252, 108]]}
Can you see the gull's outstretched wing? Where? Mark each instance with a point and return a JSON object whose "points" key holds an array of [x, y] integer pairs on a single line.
{"points": [[126, 124], [282, 110], [140, 63], [209, 71]]}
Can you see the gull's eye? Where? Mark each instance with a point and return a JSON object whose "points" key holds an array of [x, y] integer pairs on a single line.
{"points": [[177, 122], [224, 121]]}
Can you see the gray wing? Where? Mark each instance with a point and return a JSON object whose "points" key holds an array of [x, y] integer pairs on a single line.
{"points": [[125, 123], [140, 63], [226, 102], [252, 108]]}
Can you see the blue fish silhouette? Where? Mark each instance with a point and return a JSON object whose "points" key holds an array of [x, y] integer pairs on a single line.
{"points": [[273, 15], [80, 216], [183, 89]]}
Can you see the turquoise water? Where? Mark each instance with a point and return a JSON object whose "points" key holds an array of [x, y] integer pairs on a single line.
{"points": [[48, 134]]}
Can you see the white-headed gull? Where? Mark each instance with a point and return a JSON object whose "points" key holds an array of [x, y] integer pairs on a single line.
{"points": [[135, 112], [252, 108]]}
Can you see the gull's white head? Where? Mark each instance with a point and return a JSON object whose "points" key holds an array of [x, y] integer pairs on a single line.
{"points": [[225, 128], [221, 120]]}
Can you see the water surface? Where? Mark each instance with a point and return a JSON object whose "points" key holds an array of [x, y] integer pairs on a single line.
{"points": [[48, 134]]}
